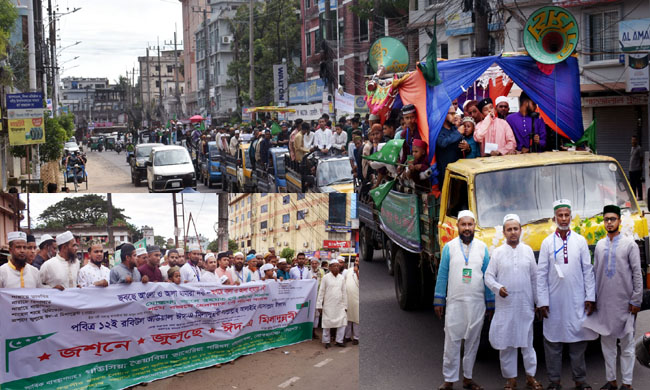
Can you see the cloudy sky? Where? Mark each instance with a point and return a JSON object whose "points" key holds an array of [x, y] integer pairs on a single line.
{"points": [[113, 33], [155, 210]]}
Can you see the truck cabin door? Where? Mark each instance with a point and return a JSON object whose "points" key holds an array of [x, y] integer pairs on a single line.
{"points": [[454, 199]]}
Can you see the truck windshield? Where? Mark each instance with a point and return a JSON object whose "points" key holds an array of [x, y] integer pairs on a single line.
{"points": [[530, 192], [333, 172], [171, 157], [143, 151]]}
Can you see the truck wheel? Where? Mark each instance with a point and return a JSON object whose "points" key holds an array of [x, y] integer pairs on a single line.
{"points": [[389, 255], [428, 280], [365, 242], [407, 281]]}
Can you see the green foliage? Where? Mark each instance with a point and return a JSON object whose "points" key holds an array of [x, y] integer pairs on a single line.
{"points": [[367, 9], [276, 36], [57, 131], [232, 246], [8, 15], [91, 208], [213, 246], [160, 241], [288, 254]]}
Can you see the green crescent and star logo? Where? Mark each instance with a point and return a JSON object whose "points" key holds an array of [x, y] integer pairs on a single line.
{"points": [[21, 342]]}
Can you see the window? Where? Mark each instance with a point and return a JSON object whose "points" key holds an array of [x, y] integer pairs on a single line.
{"points": [[263, 194], [170, 69], [363, 30], [263, 224], [603, 35], [463, 47], [337, 209], [218, 67], [237, 218], [285, 218], [242, 245], [157, 84], [157, 68], [307, 4], [444, 51], [249, 200], [301, 195], [459, 201], [249, 214], [242, 218], [286, 199], [237, 206], [264, 208], [300, 214], [308, 44], [248, 242]]}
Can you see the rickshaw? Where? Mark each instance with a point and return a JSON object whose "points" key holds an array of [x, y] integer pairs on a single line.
{"points": [[95, 142], [75, 172], [110, 143]]}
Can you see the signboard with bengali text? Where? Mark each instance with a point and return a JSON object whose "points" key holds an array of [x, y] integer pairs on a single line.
{"points": [[25, 118], [399, 219], [122, 335]]}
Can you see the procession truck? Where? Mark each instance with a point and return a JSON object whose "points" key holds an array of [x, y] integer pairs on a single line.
{"points": [[412, 228], [319, 173]]}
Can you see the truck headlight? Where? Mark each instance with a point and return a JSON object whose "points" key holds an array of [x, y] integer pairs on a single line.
{"points": [[158, 177]]}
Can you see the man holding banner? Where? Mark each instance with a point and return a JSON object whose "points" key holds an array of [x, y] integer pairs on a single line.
{"points": [[94, 273], [62, 271], [17, 273]]}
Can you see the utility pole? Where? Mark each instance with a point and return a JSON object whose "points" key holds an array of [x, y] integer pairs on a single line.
{"points": [[251, 60], [109, 221], [160, 87], [148, 91], [222, 224], [481, 33], [175, 221], [52, 47], [178, 96], [207, 62]]}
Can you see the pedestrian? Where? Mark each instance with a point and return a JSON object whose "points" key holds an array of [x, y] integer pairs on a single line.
{"points": [[126, 272], [636, 168], [619, 292], [141, 257], [283, 273], [512, 276], [47, 250], [565, 297], [222, 269], [267, 273], [62, 271], [190, 271], [316, 273], [172, 261], [462, 297], [17, 273], [150, 268], [240, 273], [352, 289], [332, 302], [94, 273], [208, 274], [32, 249], [299, 271], [174, 275]]}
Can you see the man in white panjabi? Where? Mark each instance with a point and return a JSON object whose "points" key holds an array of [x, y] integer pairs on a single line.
{"points": [[619, 292], [512, 276], [62, 271], [565, 297], [461, 295], [17, 273], [333, 303], [94, 273], [352, 288]]}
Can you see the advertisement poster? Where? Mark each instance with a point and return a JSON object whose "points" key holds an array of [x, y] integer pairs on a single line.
{"points": [[280, 83], [25, 118], [122, 335], [638, 77]]}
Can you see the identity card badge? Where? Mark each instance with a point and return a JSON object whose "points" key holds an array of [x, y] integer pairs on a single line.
{"points": [[467, 275]]}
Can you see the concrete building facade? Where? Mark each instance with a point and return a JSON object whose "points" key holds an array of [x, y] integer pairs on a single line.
{"points": [[192, 19], [158, 78]]}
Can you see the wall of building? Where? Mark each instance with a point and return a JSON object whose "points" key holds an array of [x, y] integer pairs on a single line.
{"points": [[192, 19]]}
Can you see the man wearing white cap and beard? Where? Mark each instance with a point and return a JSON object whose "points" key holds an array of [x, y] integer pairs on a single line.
{"points": [[16, 273], [512, 276], [462, 297], [502, 107], [190, 271], [46, 250], [62, 271], [141, 257], [332, 301], [565, 296]]}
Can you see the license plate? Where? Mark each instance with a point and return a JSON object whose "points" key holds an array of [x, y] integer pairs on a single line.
{"points": [[176, 184]]}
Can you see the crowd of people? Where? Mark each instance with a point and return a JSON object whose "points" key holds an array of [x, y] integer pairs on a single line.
{"points": [[55, 263], [577, 300]]}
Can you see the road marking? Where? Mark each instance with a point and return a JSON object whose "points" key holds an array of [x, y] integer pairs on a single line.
{"points": [[345, 350], [321, 364], [289, 382]]}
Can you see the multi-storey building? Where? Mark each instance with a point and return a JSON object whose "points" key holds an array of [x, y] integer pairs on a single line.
{"points": [[192, 20], [303, 222], [158, 79]]}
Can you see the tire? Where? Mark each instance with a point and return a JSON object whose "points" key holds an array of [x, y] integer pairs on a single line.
{"points": [[365, 244], [428, 283], [389, 256], [407, 281]]}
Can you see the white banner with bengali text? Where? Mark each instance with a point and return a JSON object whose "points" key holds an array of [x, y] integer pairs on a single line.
{"points": [[122, 335]]}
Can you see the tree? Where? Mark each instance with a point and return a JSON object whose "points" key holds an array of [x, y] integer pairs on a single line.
{"points": [[160, 241], [232, 246], [85, 209], [8, 15], [213, 246], [276, 36], [287, 253]]}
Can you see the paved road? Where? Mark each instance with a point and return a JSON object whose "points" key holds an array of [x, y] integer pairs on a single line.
{"points": [[109, 172], [403, 350], [305, 365]]}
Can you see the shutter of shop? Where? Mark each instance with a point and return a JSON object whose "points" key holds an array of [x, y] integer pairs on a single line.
{"points": [[615, 126]]}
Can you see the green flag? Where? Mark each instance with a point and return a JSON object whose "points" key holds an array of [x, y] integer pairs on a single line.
{"points": [[589, 137], [169, 123], [275, 129], [430, 70], [202, 126], [389, 153], [379, 193]]}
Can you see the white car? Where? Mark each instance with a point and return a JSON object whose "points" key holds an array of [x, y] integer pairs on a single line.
{"points": [[170, 168]]}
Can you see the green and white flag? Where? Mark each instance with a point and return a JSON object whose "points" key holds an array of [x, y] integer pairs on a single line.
{"points": [[389, 154], [379, 193]]}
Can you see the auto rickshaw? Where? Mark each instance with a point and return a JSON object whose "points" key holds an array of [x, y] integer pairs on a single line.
{"points": [[110, 143], [94, 143]]}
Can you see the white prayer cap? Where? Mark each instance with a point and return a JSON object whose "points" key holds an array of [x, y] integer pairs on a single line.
{"points": [[193, 247], [266, 267], [140, 251], [15, 236], [209, 255], [238, 254], [465, 103], [340, 258], [511, 217], [501, 99], [181, 251], [45, 238], [64, 237], [466, 213], [282, 260], [560, 203]]}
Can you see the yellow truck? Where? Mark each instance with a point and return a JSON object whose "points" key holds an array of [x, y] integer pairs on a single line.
{"points": [[412, 228]]}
